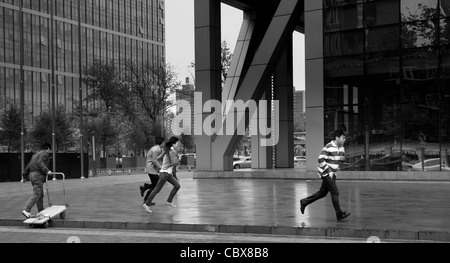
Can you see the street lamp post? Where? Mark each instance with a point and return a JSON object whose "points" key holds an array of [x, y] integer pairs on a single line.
{"points": [[53, 83], [22, 93], [94, 165], [80, 86]]}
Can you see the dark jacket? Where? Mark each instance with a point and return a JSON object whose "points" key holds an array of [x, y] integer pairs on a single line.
{"points": [[39, 163]]}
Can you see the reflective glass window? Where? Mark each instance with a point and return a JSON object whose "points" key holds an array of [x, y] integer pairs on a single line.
{"points": [[344, 83], [379, 13], [444, 7], [382, 111], [419, 34], [343, 66], [414, 10], [342, 18], [343, 43], [382, 38], [445, 105], [421, 96], [444, 34], [335, 3]]}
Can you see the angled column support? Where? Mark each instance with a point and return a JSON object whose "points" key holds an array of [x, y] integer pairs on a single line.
{"points": [[218, 150], [262, 156], [237, 62], [276, 37]]}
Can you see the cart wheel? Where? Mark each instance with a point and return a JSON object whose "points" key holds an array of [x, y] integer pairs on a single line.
{"points": [[31, 225], [46, 224], [62, 215]]}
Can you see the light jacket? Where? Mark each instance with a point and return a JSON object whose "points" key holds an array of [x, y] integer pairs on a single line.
{"points": [[170, 161], [153, 163]]}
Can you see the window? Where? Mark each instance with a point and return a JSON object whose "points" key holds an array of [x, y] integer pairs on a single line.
{"points": [[336, 3], [343, 43], [419, 34], [43, 77], [343, 18], [379, 13], [415, 10], [59, 44], [44, 41], [382, 38]]}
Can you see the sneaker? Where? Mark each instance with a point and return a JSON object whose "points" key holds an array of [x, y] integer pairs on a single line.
{"points": [[26, 214], [147, 208], [151, 203], [171, 204], [302, 206], [142, 190], [343, 215]]}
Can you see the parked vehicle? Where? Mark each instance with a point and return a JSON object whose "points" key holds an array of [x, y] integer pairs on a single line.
{"points": [[243, 163], [299, 159]]}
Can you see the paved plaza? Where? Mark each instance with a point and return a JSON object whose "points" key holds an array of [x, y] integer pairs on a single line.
{"points": [[387, 209]]}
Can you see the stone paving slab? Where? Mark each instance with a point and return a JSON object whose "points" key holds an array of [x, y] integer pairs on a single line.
{"points": [[390, 210]]}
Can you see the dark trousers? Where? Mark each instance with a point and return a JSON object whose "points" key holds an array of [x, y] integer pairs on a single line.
{"points": [[154, 181], [328, 185]]}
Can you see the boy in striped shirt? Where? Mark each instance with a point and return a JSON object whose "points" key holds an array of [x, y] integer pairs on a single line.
{"points": [[329, 159]]}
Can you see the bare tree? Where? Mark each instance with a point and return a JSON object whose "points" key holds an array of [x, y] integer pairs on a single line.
{"points": [[225, 60], [103, 79], [152, 86]]}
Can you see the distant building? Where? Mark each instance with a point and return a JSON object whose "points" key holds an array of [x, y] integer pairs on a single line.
{"points": [[299, 102], [113, 30]]}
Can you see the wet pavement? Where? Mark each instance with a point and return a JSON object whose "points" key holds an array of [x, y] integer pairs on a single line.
{"points": [[398, 210]]}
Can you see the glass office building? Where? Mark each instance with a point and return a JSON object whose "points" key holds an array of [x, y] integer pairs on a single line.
{"points": [[386, 74], [110, 29]]}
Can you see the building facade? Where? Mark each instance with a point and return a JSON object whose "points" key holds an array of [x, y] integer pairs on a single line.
{"points": [[299, 102], [82, 30], [383, 74], [299, 110], [377, 69]]}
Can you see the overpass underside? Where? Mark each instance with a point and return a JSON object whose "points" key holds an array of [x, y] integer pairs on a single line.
{"points": [[261, 70]]}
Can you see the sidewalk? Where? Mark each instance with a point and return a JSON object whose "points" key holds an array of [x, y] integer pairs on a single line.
{"points": [[389, 210]]}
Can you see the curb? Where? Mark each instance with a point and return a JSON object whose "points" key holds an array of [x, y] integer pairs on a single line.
{"points": [[250, 229]]}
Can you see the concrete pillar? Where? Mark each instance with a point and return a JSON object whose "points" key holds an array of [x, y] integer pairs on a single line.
{"points": [[262, 157], [284, 93], [314, 90], [207, 71]]}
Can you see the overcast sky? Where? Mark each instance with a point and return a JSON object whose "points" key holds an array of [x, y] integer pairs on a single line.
{"points": [[180, 38]]}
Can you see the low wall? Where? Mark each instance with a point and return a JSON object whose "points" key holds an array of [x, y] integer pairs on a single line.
{"points": [[296, 174], [67, 163]]}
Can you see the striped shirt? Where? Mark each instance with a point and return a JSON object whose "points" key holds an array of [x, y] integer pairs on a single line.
{"points": [[329, 159]]}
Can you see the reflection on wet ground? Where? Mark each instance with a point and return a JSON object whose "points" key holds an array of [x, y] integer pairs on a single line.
{"points": [[374, 205]]}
